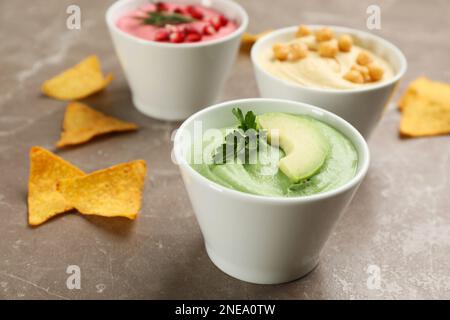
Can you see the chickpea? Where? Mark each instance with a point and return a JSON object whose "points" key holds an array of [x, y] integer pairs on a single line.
{"points": [[324, 34], [375, 72], [298, 51], [303, 31], [280, 51], [311, 44], [363, 70], [345, 43], [354, 76], [328, 49], [363, 58]]}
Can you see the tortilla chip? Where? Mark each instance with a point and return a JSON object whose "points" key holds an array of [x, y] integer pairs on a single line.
{"points": [[44, 201], [435, 91], [82, 123], [77, 82], [112, 192], [248, 39], [424, 117]]}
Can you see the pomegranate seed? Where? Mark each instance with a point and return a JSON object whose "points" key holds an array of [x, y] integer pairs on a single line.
{"points": [[215, 22], [190, 29], [176, 37], [209, 30], [161, 6], [184, 29], [162, 35], [193, 37], [194, 13], [178, 10], [223, 20]]}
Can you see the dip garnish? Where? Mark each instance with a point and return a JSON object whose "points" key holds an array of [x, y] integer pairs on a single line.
{"points": [[242, 142], [163, 18], [176, 22], [296, 155], [325, 59]]}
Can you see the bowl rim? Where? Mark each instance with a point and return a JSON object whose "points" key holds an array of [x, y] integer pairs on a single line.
{"points": [[256, 49], [356, 138], [236, 33]]}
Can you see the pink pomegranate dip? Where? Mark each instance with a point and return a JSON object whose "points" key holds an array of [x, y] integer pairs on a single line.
{"points": [[185, 23]]}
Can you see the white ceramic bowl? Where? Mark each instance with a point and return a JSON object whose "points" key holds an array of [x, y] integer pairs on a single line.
{"points": [[172, 81], [362, 107], [263, 239]]}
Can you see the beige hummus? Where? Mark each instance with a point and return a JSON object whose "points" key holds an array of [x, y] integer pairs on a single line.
{"points": [[319, 72]]}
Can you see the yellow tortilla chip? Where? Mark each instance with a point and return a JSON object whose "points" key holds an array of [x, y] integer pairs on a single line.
{"points": [[82, 123], [435, 91], [112, 192], [424, 117], [248, 39], [77, 82], [44, 201]]}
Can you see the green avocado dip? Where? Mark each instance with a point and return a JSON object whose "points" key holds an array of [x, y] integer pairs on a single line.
{"points": [[296, 156]]}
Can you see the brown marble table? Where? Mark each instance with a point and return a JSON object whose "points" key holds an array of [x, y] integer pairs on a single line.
{"points": [[399, 221]]}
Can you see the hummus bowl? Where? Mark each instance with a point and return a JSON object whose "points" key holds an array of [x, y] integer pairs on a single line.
{"points": [[264, 239], [362, 106], [171, 81]]}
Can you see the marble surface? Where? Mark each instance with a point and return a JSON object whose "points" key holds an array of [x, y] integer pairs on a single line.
{"points": [[398, 223]]}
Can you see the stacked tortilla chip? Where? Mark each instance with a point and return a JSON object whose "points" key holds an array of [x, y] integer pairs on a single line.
{"points": [[56, 186]]}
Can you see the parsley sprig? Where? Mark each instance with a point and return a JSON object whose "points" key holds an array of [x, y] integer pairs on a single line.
{"points": [[245, 123], [243, 142], [162, 18]]}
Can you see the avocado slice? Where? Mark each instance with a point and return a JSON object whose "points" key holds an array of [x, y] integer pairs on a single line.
{"points": [[305, 148]]}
